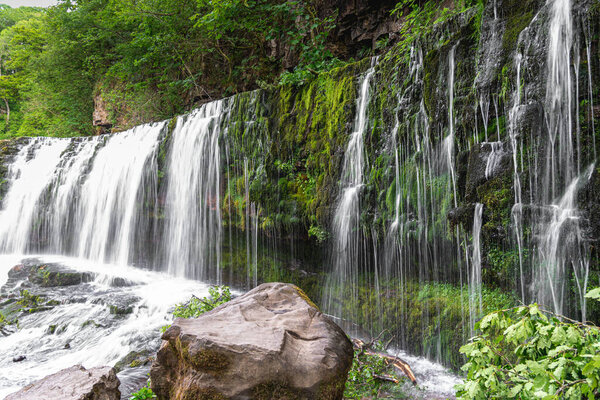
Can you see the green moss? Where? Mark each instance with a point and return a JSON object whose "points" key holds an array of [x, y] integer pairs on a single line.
{"points": [[208, 360], [306, 298], [274, 391], [196, 393], [518, 17]]}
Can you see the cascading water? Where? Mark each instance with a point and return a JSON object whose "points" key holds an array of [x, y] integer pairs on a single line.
{"points": [[475, 299], [29, 175], [109, 201], [561, 248], [494, 158], [346, 229], [193, 198], [560, 244]]}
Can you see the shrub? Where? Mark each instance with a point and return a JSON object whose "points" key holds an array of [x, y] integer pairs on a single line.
{"points": [[528, 353]]}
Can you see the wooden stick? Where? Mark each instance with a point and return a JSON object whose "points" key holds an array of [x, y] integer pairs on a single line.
{"points": [[397, 362], [386, 377]]}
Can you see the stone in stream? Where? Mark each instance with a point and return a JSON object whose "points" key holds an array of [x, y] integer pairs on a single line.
{"points": [[272, 341], [74, 383]]}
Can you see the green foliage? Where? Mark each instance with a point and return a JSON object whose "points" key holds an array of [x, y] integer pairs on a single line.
{"points": [[419, 18], [197, 306], [363, 381], [527, 353], [143, 394], [318, 233], [29, 300], [361, 378], [147, 59]]}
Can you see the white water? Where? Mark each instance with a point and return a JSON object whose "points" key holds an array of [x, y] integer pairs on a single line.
{"points": [[28, 175], [64, 200], [437, 381], [516, 212], [90, 345], [448, 143], [475, 300], [494, 158], [559, 93], [346, 251], [193, 197], [560, 249], [109, 197]]}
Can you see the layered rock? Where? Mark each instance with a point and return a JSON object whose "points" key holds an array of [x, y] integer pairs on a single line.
{"points": [[74, 383], [272, 341]]}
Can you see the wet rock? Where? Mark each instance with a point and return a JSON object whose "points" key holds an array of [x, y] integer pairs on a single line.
{"points": [[271, 340], [486, 161], [74, 383], [134, 359], [54, 275]]}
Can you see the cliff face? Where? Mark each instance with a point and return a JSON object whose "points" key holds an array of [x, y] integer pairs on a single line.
{"points": [[478, 183]]}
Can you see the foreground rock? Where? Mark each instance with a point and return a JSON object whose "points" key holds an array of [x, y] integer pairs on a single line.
{"points": [[269, 343], [75, 383]]}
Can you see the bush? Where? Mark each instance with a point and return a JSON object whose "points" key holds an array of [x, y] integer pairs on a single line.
{"points": [[528, 353]]}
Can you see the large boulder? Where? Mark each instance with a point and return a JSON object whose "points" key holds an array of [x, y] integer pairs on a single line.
{"points": [[271, 343], [74, 383]]}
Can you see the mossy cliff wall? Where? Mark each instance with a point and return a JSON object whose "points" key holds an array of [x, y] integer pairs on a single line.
{"points": [[285, 149]]}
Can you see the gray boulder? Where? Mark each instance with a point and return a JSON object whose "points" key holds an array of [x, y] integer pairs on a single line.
{"points": [[74, 383], [271, 343]]}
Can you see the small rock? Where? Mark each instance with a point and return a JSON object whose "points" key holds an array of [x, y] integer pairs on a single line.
{"points": [[74, 383], [19, 358]]}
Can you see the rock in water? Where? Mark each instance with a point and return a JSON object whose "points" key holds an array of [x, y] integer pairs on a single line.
{"points": [[270, 343], [74, 383]]}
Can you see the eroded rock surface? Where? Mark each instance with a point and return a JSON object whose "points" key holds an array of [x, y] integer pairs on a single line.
{"points": [[74, 383], [269, 343]]}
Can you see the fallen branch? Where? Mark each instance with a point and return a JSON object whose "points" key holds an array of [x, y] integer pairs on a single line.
{"points": [[386, 377], [395, 361]]}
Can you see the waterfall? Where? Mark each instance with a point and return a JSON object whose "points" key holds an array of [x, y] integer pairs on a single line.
{"points": [[560, 165], [346, 228], [494, 158], [63, 206], [193, 197], [78, 197], [448, 143], [562, 248], [475, 297], [109, 201], [516, 212], [560, 245], [29, 175]]}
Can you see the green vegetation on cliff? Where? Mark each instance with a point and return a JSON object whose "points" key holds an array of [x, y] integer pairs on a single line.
{"points": [[146, 60]]}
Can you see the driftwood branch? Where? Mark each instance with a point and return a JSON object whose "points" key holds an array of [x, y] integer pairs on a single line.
{"points": [[396, 362], [386, 377]]}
